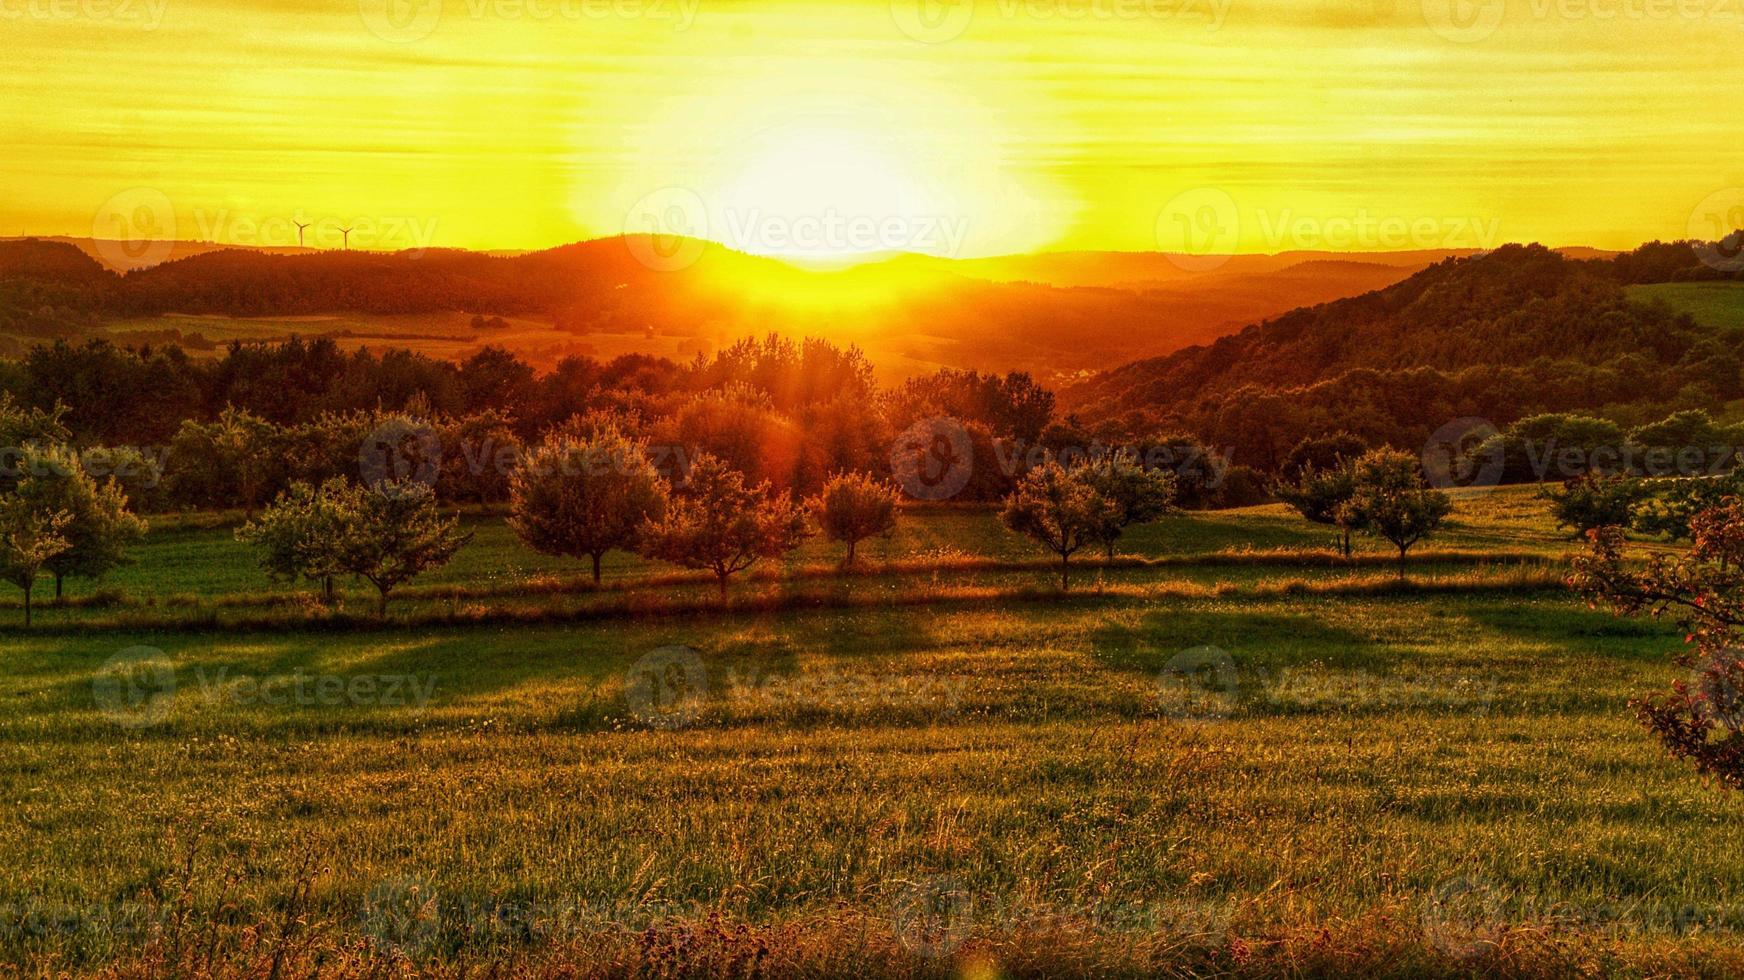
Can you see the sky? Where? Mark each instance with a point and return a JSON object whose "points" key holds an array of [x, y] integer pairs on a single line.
{"points": [[938, 126]]}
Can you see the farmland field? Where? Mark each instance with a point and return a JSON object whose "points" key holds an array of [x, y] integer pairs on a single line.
{"points": [[1713, 304], [1240, 756]]}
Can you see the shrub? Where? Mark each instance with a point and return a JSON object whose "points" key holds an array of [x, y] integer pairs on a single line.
{"points": [[1390, 500], [1700, 720], [1592, 501], [852, 508], [585, 495], [719, 524]]}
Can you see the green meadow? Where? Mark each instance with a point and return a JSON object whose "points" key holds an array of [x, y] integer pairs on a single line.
{"points": [[1225, 753]]}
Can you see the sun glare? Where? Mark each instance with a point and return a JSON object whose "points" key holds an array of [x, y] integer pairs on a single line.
{"points": [[829, 192]]}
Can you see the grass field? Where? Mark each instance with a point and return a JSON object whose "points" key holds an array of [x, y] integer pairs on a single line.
{"points": [[1184, 768], [1713, 304]]}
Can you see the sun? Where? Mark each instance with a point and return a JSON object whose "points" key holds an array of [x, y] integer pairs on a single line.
{"points": [[812, 163], [831, 192]]}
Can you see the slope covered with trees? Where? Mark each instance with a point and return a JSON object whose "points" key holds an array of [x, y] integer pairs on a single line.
{"points": [[1515, 332]]}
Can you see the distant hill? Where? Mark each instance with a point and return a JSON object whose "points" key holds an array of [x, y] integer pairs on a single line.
{"points": [[1519, 330], [911, 314]]}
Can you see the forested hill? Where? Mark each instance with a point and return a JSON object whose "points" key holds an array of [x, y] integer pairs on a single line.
{"points": [[1509, 333]]}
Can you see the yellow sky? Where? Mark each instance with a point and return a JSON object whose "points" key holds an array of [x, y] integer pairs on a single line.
{"points": [[807, 127]]}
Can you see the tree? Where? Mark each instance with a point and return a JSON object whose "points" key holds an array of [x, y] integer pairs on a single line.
{"points": [[1137, 495], [297, 537], [852, 508], [98, 529], [718, 523], [1700, 720], [391, 533], [1059, 509], [226, 462], [29, 537], [483, 453], [1323, 453], [1321, 496], [1592, 501], [1391, 500], [22, 428], [584, 495], [387, 534], [1671, 506]]}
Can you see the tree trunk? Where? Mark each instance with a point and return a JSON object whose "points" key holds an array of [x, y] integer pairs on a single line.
{"points": [[57, 587], [596, 568], [1402, 563], [381, 606], [722, 579], [1065, 573], [1110, 550], [327, 589], [849, 562], [1345, 542], [27, 592]]}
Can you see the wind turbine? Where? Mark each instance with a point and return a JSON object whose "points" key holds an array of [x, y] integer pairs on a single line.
{"points": [[346, 232], [300, 226]]}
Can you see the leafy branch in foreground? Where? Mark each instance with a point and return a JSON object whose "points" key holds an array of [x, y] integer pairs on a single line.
{"points": [[1701, 719]]}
